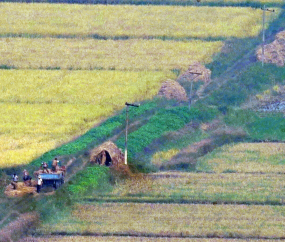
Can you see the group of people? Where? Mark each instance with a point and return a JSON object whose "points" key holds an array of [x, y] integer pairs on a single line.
{"points": [[54, 166], [27, 179]]}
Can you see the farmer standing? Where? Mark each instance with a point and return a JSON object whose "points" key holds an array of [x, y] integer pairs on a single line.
{"points": [[39, 184], [45, 167], [54, 164], [15, 180]]}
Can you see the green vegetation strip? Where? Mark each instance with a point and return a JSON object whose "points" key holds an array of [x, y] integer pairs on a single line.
{"points": [[229, 221]]}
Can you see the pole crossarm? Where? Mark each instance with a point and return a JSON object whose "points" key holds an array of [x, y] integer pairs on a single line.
{"points": [[132, 104]]}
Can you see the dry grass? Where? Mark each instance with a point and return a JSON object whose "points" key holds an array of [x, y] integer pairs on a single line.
{"points": [[128, 20], [172, 219], [246, 157], [42, 109], [204, 187], [133, 54], [133, 239]]}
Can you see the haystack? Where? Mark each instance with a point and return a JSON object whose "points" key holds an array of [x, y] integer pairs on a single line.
{"points": [[195, 68], [172, 90], [275, 51], [109, 154], [21, 190]]}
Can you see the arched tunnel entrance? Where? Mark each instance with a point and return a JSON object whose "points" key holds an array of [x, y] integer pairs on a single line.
{"points": [[104, 158]]}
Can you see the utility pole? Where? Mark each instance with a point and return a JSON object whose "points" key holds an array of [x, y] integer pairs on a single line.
{"points": [[263, 30], [190, 95], [127, 124]]}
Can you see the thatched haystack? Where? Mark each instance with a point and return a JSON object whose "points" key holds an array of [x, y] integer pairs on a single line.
{"points": [[275, 51], [172, 90], [21, 190], [195, 68], [109, 154]]}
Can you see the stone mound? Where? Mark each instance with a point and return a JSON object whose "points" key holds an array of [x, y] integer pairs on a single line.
{"points": [[172, 90], [275, 51], [190, 75]]}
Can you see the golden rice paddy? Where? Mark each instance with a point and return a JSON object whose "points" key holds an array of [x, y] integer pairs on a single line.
{"points": [[129, 20], [88, 54], [41, 109], [172, 219]]}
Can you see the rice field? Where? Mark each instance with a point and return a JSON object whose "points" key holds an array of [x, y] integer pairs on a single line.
{"points": [[201, 187], [245, 157], [41, 109], [63, 20], [88, 54], [236, 221], [135, 239]]}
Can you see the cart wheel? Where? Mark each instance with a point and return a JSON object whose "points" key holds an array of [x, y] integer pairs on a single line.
{"points": [[56, 185]]}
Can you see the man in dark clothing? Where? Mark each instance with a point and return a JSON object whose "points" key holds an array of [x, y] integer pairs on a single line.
{"points": [[15, 180]]}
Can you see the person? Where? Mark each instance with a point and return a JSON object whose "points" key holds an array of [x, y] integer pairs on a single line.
{"points": [[39, 184], [25, 172], [45, 167], [27, 179], [15, 180], [54, 165]]}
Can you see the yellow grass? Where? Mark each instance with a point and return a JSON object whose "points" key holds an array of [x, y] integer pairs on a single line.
{"points": [[129, 20], [133, 54], [247, 157], [42, 109], [136, 239], [172, 219]]}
